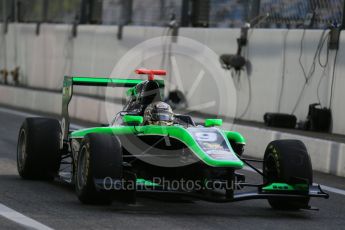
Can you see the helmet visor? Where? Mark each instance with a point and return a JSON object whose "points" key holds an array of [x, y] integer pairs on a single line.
{"points": [[162, 117]]}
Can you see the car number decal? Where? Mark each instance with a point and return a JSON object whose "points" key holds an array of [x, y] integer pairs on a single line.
{"points": [[212, 142]]}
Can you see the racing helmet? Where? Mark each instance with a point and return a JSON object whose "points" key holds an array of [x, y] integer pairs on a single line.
{"points": [[158, 113]]}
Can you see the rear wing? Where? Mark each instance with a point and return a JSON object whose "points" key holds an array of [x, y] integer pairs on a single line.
{"points": [[67, 92]]}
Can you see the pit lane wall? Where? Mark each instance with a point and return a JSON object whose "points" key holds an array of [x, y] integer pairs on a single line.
{"points": [[46, 58]]}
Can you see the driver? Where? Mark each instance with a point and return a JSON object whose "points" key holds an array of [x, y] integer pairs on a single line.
{"points": [[158, 113]]}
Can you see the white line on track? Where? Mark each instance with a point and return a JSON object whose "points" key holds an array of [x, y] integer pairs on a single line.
{"points": [[25, 114], [19, 218], [18, 113]]}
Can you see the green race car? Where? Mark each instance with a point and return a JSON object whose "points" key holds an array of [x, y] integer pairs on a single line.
{"points": [[149, 149]]}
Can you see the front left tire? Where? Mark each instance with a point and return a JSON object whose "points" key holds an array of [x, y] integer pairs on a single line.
{"points": [[99, 157], [284, 161]]}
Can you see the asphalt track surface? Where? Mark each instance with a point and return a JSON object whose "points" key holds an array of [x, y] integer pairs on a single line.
{"points": [[54, 204]]}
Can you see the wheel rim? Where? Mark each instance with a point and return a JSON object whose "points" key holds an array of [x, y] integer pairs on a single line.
{"points": [[21, 151], [82, 168]]}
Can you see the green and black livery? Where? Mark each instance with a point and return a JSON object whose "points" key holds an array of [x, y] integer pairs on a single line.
{"points": [[127, 157]]}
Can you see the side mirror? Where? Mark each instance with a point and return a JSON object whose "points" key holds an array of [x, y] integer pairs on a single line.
{"points": [[213, 122], [133, 120]]}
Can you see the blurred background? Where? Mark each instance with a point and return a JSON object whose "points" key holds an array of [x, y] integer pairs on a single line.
{"points": [[189, 13], [292, 50]]}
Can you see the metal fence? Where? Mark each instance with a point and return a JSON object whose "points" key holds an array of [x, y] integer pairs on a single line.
{"points": [[207, 13], [31, 11], [300, 13], [228, 13], [51, 11], [155, 12], [6, 10]]}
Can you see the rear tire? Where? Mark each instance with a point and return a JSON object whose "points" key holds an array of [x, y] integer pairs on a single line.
{"points": [[285, 160], [100, 156], [38, 148]]}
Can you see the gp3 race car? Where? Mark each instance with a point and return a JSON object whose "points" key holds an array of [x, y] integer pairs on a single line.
{"points": [[149, 149]]}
